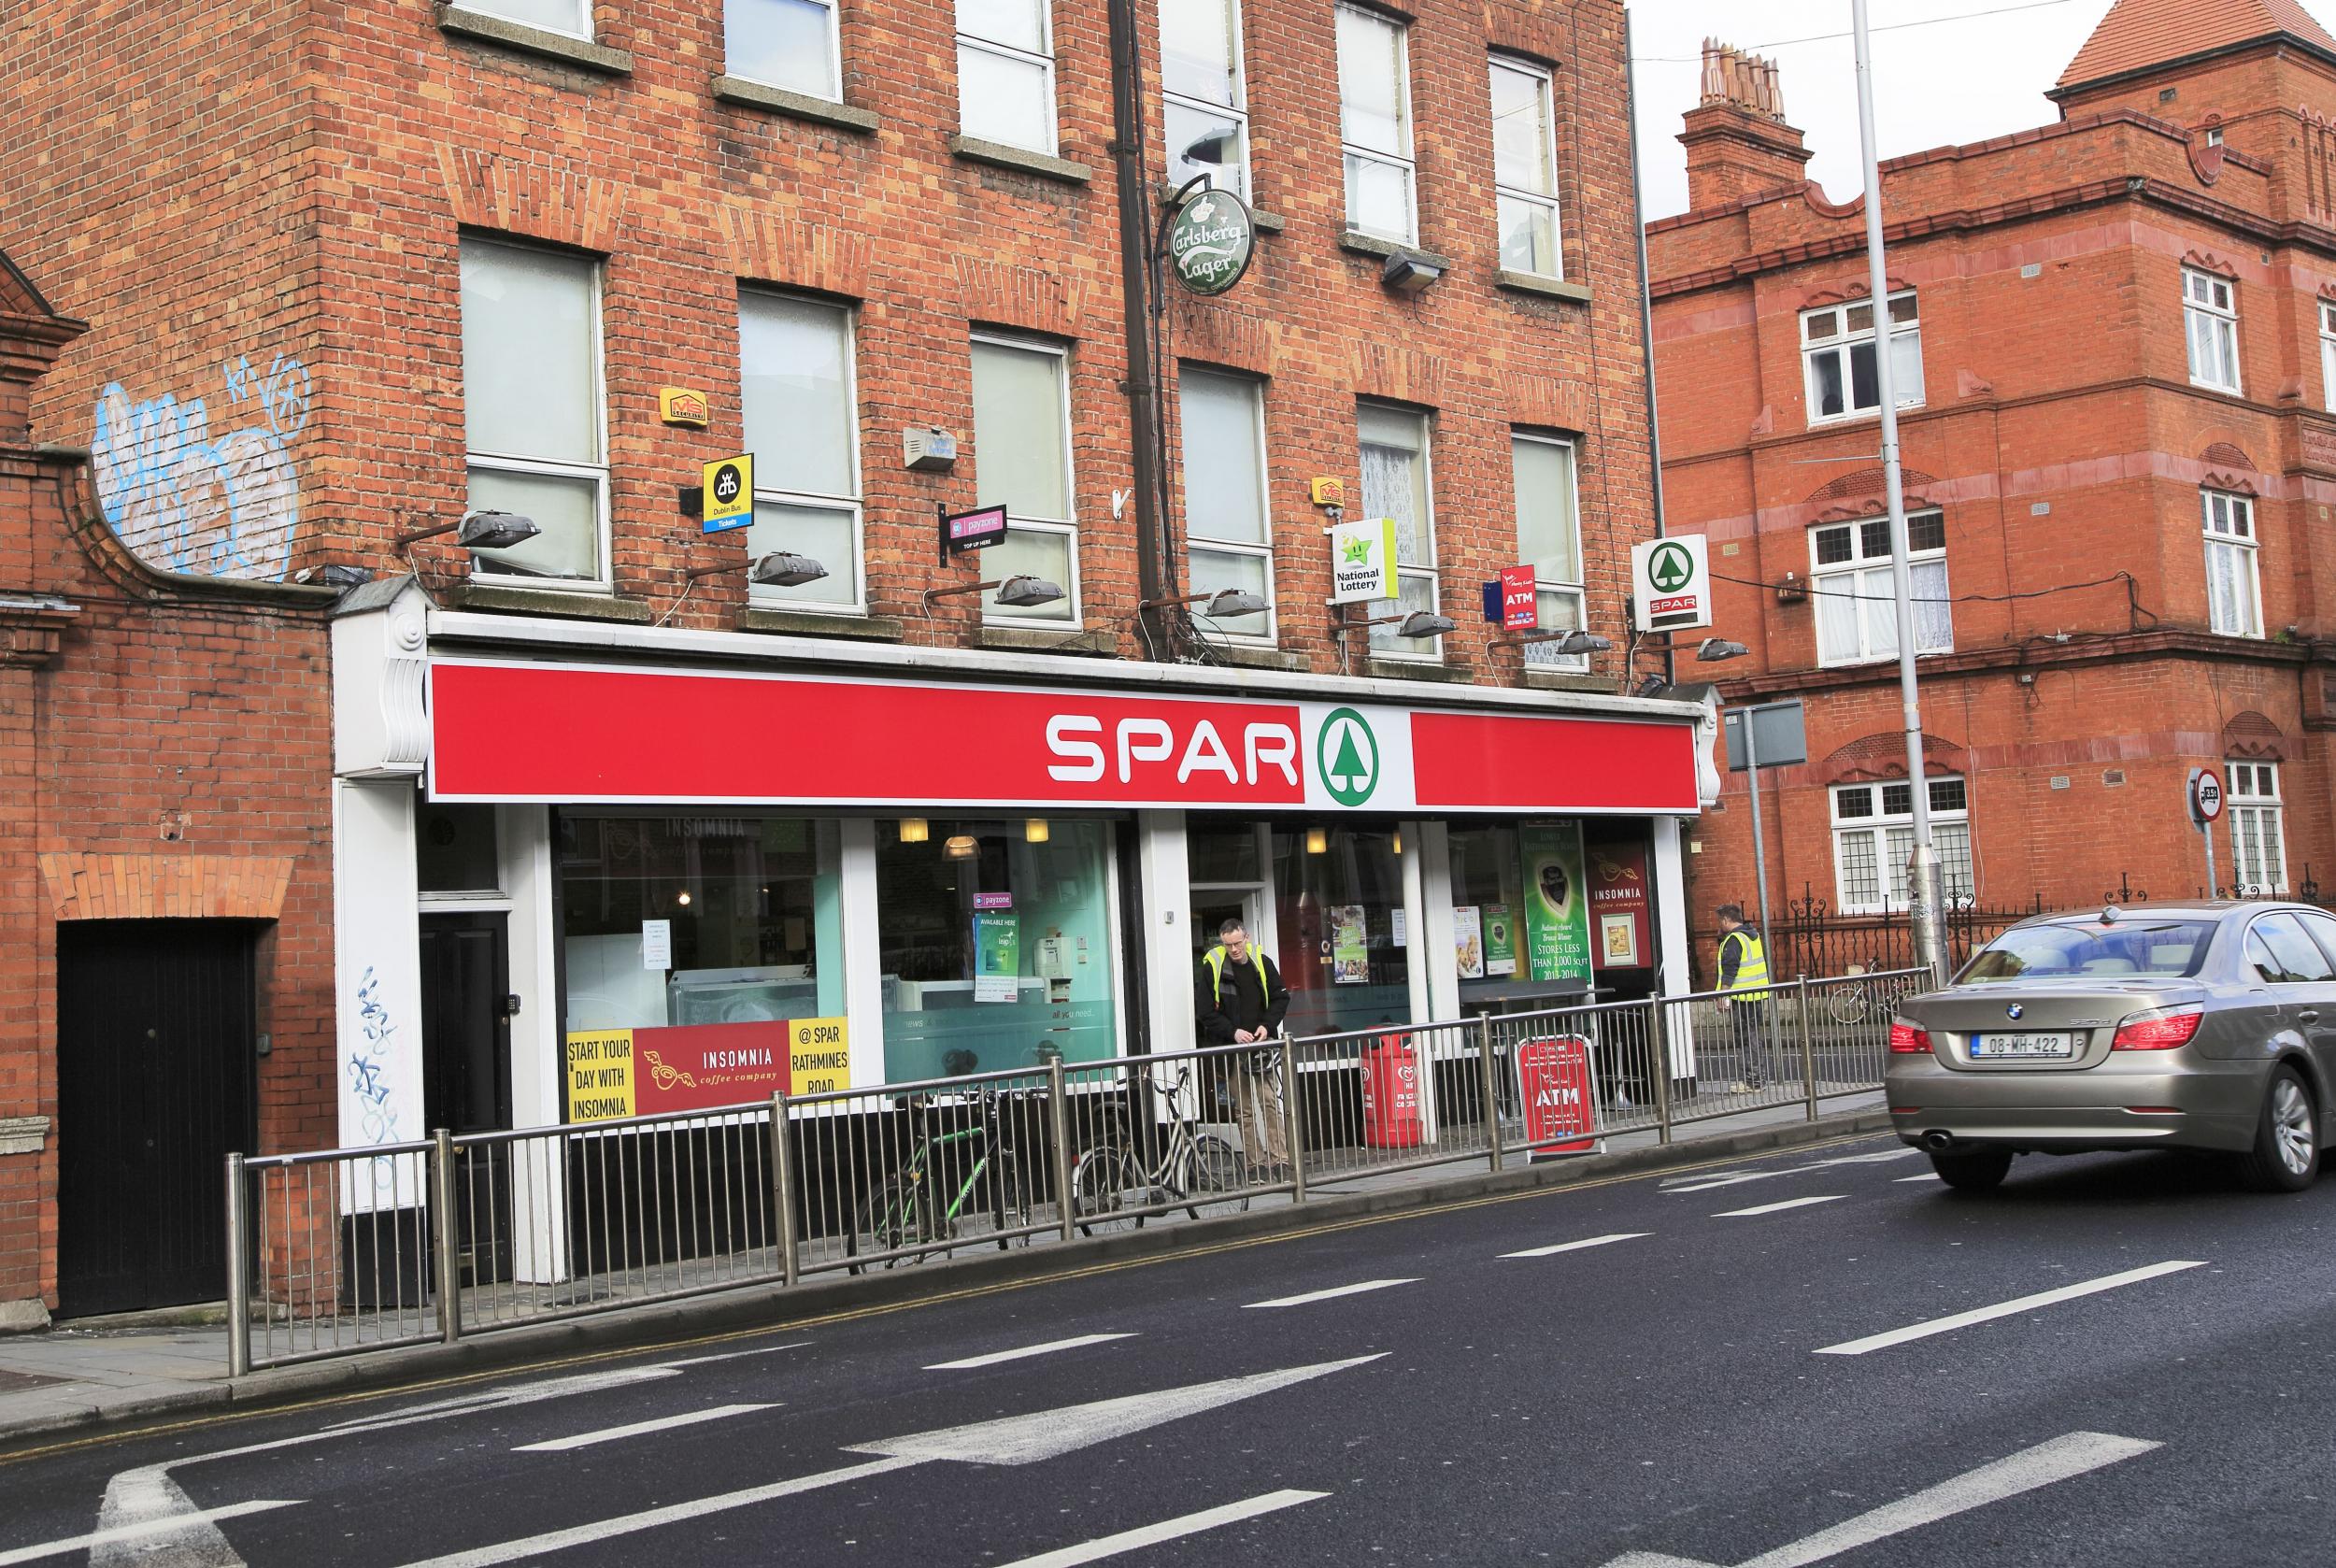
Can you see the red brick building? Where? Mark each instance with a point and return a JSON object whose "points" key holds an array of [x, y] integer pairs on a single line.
{"points": [[369, 267], [2115, 339]]}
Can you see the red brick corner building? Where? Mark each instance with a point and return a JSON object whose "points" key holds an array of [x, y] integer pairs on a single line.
{"points": [[2115, 339]]}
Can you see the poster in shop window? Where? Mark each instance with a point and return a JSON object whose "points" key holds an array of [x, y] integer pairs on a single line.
{"points": [[1557, 902], [997, 958], [1350, 946], [1468, 941], [1499, 922], [1617, 897]]}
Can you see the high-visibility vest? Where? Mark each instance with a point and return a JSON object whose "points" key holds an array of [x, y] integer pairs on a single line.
{"points": [[1215, 959], [1751, 982]]}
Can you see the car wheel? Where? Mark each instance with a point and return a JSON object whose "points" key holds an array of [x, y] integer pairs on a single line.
{"points": [[2286, 1152], [1975, 1171]]}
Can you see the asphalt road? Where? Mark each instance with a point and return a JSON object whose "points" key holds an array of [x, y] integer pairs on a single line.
{"points": [[1726, 1381]]}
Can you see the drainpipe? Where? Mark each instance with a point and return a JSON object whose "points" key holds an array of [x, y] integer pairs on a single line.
{"points": [[1646, 313], [1136, 288]]}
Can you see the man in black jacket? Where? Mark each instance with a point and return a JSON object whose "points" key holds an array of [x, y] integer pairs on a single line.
{"points": [[1239, 999]]}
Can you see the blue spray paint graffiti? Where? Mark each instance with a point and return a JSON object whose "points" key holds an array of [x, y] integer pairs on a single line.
{"points": [[224, 507], [369, 1080]]}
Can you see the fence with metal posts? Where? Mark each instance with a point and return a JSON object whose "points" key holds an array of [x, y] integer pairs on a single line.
{"points": [[346, 1250], [1813, 938]]}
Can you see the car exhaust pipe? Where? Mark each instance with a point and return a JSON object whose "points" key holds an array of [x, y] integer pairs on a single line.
{"points": [[1938, 1142]]}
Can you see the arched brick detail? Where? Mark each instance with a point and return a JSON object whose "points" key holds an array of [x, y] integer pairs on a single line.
{"points": [[2251, 737], [2206, 261], [1883, 756], [772, 248], [1544, 400], [1868, 481], [1020, 297], [534, 197], [1404, 374], [166, 886], [2222, 454], [1218, 334]]}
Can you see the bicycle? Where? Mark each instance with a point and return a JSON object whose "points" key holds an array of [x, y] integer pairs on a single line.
{"points": [[923, 1203], [1192, 1164], [1852, 1002]]}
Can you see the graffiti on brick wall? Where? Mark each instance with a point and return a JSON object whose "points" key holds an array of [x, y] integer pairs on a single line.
{"points": [[369, 1080], [224, 504]]}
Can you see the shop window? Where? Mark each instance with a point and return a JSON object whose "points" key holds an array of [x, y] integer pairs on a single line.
{"points": [[2259, 841], [1550, 540], [1005, 72], [1022, 461], [784, 43], [1229, 541], [797, 398], [679, 921], [1856, 605], [533, 409], [1345, 935], [1521, 917], [2234, 596], [1392, 444], [997, 945], [1873, 833], [454, 849], [1374, 124], [1205, 106], [1837, 357], [1525, 167], [2210, 324]]}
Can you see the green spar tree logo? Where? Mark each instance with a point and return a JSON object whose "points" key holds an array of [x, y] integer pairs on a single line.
{"points": [[1346, 754], [1670, 568]]}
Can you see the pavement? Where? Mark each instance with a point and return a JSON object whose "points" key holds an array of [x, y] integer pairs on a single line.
{"points": [[1815, 1354]]}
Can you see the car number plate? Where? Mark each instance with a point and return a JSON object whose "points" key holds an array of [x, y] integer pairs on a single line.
{"points": [[2005, 1046]]}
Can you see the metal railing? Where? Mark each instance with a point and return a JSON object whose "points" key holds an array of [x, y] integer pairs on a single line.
{"points": [[342, 1251]]}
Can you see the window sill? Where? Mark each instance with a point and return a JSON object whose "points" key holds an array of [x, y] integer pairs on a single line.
{"points": [[804, 623], [738, 90], [1827, 422], [573, 604], [1407, 669], [1021, 160], [1372, 245], [1567, 681], [1101, 642], [1534, 283], [533, 40], [1262, 659]]}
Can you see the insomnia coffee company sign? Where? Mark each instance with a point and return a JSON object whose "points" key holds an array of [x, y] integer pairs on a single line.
{"points": [[1210, 242]]}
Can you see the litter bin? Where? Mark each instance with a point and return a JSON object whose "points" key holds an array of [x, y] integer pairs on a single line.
{"points": [[1390, 1094]]}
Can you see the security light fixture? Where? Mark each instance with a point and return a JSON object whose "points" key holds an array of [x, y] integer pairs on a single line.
{"points": [[1020, 592], [1215, 148], [478, 530], [1712, 649], [784, 569], [961, 847], [344, 577], [1224, 602], [1567, 641], [1649, 687], [1409, 274], [1418, 623]]}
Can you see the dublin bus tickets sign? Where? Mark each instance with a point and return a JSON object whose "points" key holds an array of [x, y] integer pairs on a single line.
{"points": [[1210, 241]]}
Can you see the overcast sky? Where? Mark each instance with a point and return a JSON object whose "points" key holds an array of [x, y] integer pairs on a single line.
{"points": [[1954, 81]]}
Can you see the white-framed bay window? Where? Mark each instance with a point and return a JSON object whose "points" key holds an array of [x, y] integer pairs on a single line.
{"points": [[1525, 166], [1005, 72], [1873, 833], [1022, 461], [2328, 353], [791, 44], [1549, 539], [1374, 124], [1204, 109], [2210, 324], [1397, 483], [799, 400], [573, 18], [1842, 380], [1228, 525], [2259, 839], [535, 410], [2234, 591], [1850, 586]]}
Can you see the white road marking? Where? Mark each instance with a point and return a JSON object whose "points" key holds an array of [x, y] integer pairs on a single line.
{"points": [[1166, 1529], [663, 1423], [1772, 1208], [737, 1355], [1012, 1440], [1927, 1175], [2005, 1309], [2062, 1459], [1046, 1350], [1734, 1178], [1576, 1246], [1325, 1295], [98, 1543]]}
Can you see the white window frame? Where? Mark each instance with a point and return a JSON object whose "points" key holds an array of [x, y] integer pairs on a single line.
{"points": [[835, 92], [1434, 571], [1237, 111], [1244, 629], [1844, 342], [501, 12], [1843, 578], [482, 567], [1007, 51], [1409, 162], [1877, 826], [1540, 656], [2237, 533], [2328, 353], [999, 615], [2252, 796], [1547, 87], [760, 596], [2209, 305]]}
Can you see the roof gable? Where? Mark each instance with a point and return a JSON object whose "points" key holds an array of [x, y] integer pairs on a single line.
{"points": [[2138, 34]]}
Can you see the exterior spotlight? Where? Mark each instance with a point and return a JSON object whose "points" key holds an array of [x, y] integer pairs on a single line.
{"points": [[477, 530], [1409, 274], [1426, 624], [1650, 686], [1025, 591], [1571, 641], [344, 577], [1215, 148], [1224, 602], [1712, 649], [782, 569]]}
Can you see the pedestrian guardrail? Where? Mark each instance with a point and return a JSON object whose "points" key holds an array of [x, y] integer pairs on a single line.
{"points": [[342, 1251]]}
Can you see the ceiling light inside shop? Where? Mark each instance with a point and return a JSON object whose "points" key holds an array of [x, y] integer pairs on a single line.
{"points": [[913, 829], [960, 848], [1316, 841], [1397, 839], [1034, 830], [684, 899]]}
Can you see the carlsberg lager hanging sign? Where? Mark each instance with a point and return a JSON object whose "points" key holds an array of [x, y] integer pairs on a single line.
{"points": [[1210, 242]]}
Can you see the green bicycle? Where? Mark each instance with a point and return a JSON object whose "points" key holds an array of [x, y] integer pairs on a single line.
{"points": [[953, 1183]]}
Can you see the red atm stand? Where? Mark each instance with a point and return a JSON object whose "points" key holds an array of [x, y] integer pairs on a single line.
{"points": [[1553, 1079], [1390, 1094]]}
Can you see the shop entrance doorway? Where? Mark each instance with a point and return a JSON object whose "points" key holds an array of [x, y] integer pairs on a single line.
{"points": [[466, 1073]]}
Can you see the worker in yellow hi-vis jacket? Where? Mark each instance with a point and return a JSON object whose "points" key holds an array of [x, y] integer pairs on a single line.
{"points": [[1744, 978]]}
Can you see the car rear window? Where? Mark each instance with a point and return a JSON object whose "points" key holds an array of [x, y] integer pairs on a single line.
{"points": [[2088, 950]]}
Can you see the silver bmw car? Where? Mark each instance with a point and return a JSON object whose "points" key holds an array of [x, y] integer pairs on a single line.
{"points": [[2208, 1025]]}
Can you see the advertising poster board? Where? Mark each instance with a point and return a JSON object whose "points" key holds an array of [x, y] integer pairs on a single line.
{"points": [[997, 957], [1557, 902], [1617, 898], [1499, 922], [1350, 946], [614, 1072], [1553, 1082], [1468, 941]]}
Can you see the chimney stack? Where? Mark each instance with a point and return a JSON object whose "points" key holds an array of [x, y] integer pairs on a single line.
{"points": [[1737, 141]]}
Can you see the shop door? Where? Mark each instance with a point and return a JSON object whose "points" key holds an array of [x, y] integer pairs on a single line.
{"points": [[154, 1089], [466, 1073]]}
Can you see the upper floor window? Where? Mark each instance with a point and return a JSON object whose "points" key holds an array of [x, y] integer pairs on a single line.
{"points": [[1229, 537], [1837, 357], [800, 408], [1374, 124], [532, 408], [1005, 72], [1549, 539], [2210, 320], [1022, 461], [2259, 848], [571, 17], [784, 43], [1873, 834], [1850, 583], [1206, 110], [1396, 484], [2235, 598], [1525, 167], [2327, 352]]}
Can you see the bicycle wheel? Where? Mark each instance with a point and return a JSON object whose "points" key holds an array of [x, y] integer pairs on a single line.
{"points": [[1010, 1205], [1105, 1184], [1850, 1004], [1218, 1173], [890, 1217]]}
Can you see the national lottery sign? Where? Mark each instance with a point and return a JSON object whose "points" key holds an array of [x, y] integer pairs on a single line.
{"points": [[611, 1074]]}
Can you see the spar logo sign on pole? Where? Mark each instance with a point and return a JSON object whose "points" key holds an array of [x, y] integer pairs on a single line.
{"points": [[1671, 583]]}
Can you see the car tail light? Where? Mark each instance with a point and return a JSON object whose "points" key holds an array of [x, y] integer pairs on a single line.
{"points": [[1909, 1038], [2162, 1029]]}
